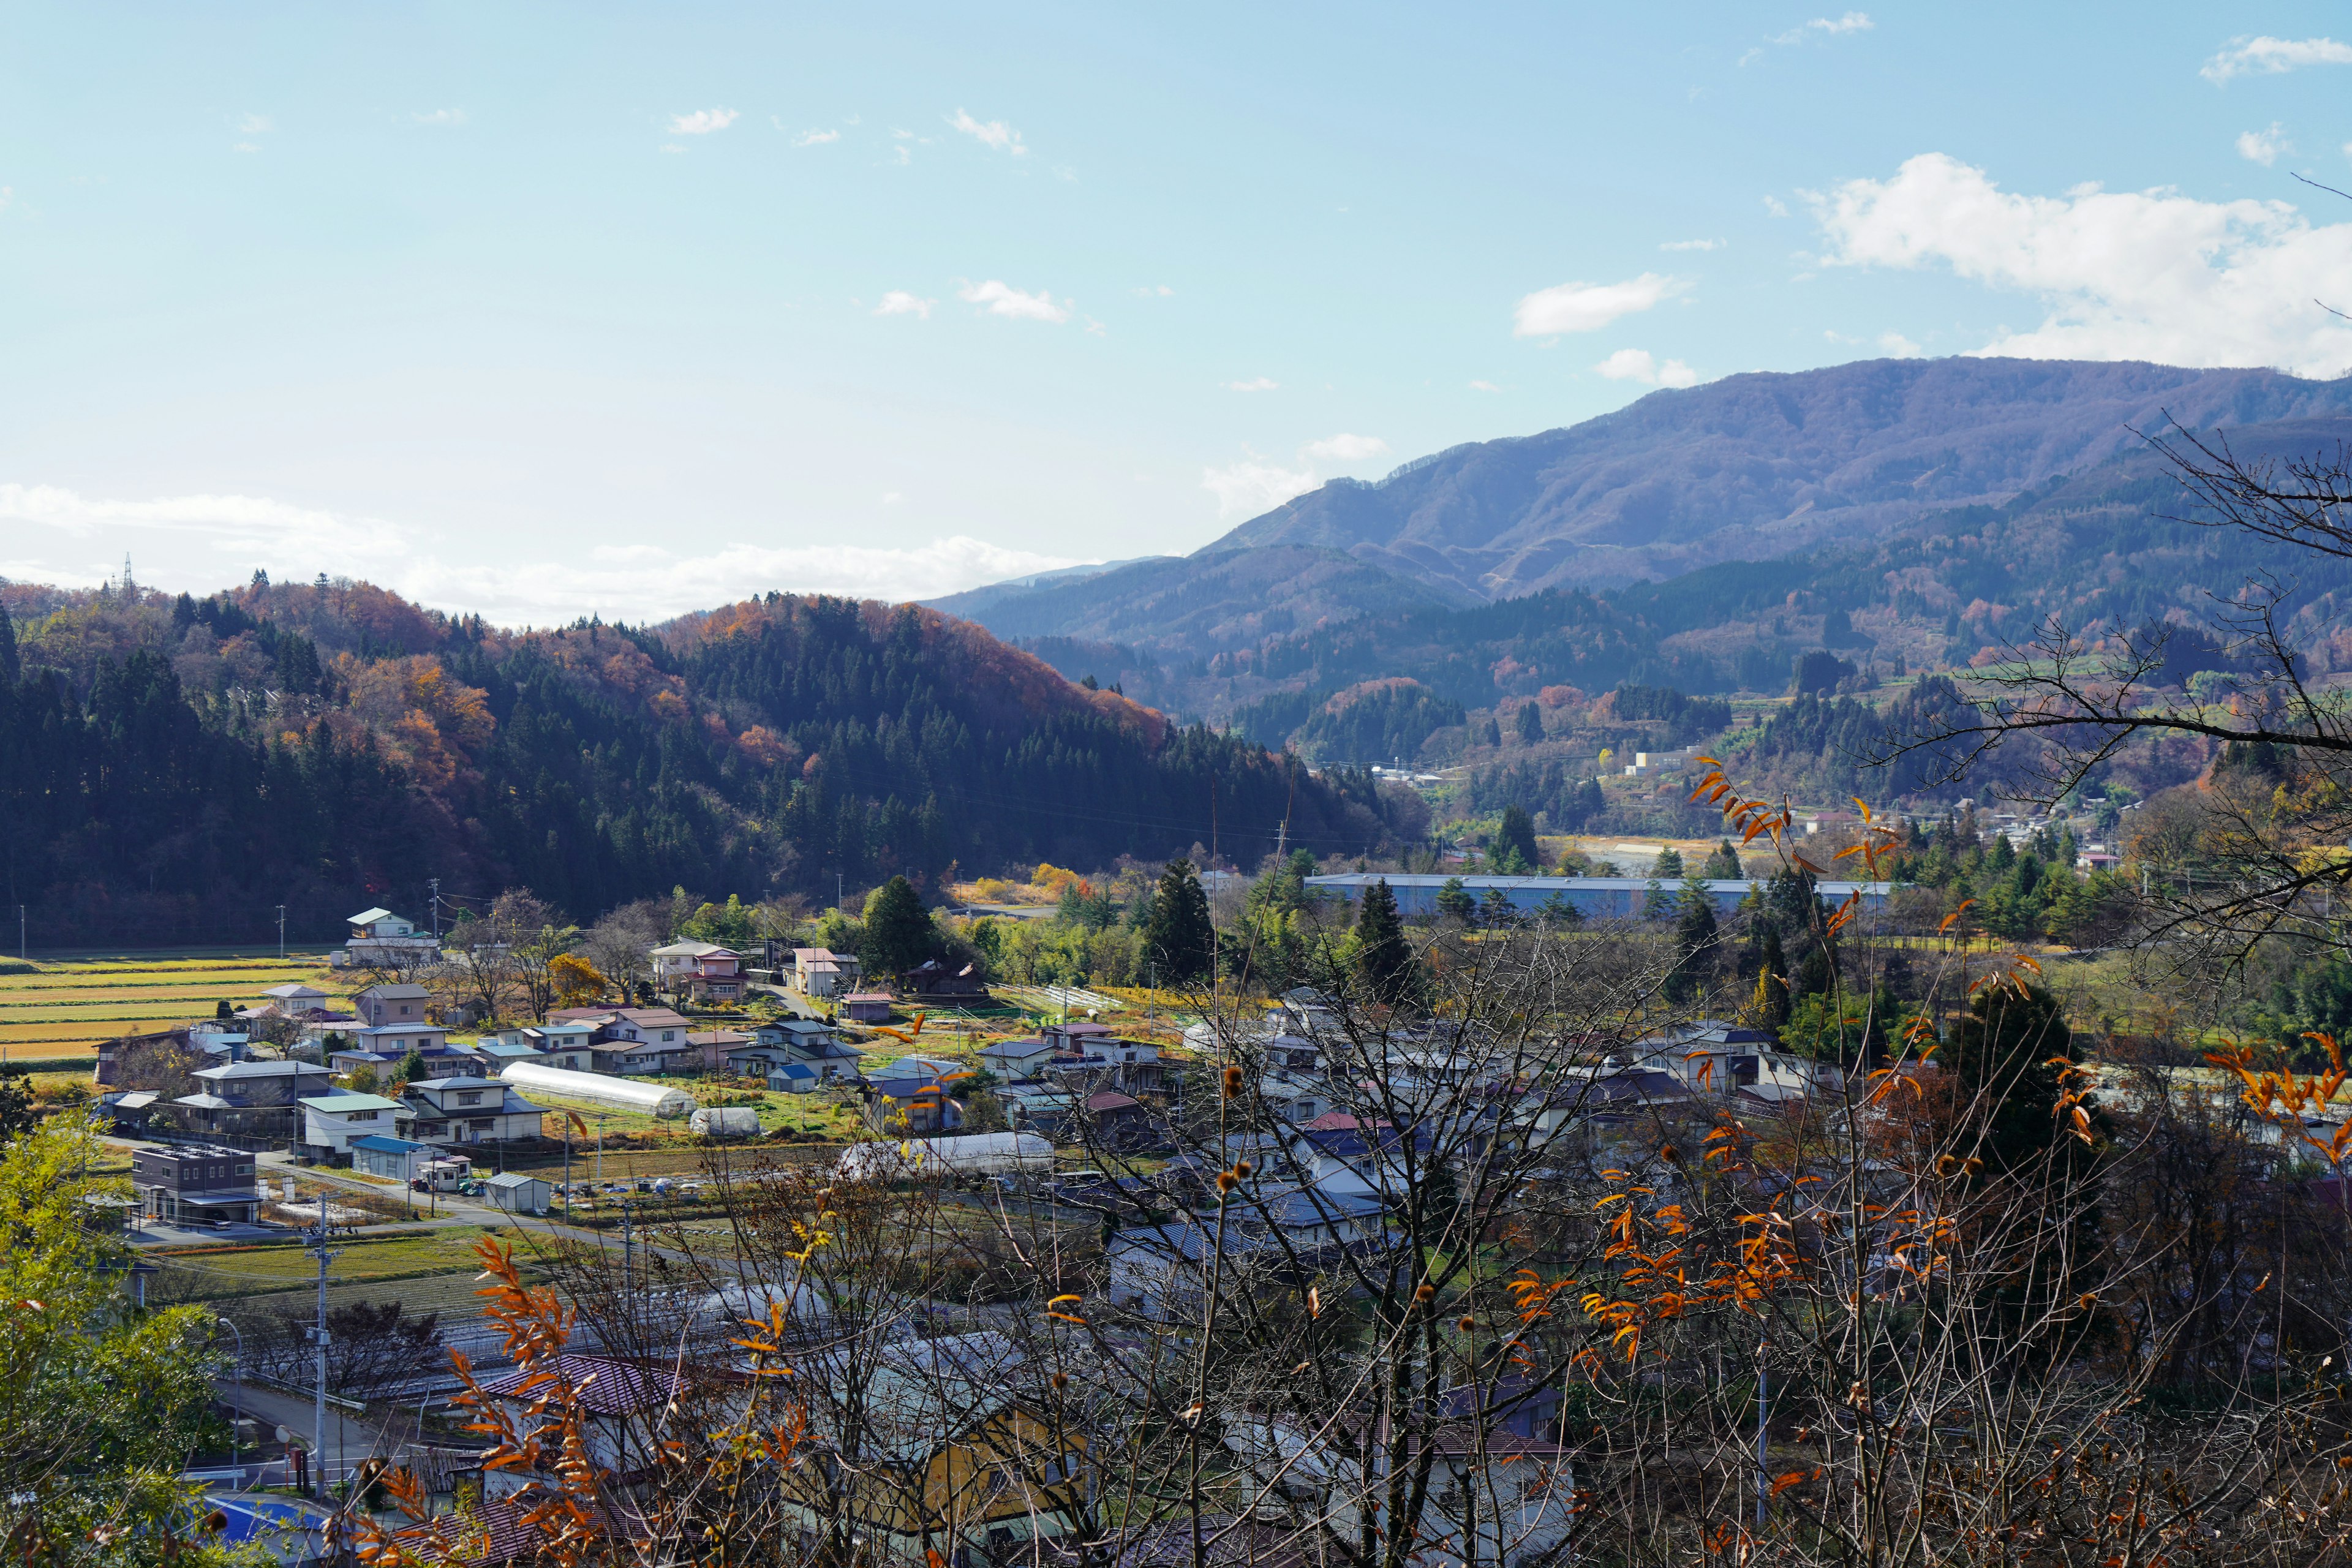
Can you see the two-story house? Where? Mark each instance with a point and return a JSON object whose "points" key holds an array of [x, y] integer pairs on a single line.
{"points": [[1090, 1057], [820, 972], [188, 1184], [558, 1043], [250, 1099], [331, 1121], [807, 1040], [403, 1003], [295, 1000], [702, 970], [380, 939], [444, 1110]]}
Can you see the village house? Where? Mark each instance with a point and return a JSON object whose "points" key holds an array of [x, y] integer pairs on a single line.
{"points": [[702, 970], [253, 1100], [329, 1121], [819, 1045], [711, 1048], [558, 1043], [380, 1154], [907, 1099], [1161, 1271], [451, 1111], [381, 940], [820, 972], [194, 1183], [107, 1070], [294, 1000], [867, 1006], [388, 1004]]}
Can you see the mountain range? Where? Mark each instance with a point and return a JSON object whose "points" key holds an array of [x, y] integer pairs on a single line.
{"points": [[1906, 511]]}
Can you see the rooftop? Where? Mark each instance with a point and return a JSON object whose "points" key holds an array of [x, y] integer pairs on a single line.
{"points": [[340, 1104]]}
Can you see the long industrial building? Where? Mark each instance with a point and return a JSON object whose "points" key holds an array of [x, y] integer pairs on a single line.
{"points": [[1592, 898]]}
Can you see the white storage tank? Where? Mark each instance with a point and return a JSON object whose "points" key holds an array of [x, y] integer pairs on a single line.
{"points": [[726, 1121], [646, 1097]]}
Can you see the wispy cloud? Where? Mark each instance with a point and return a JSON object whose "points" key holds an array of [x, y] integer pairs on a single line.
{"points": [[1484, 386], [1775, 207], [1155, 291], [702, 122], [1693, 245], [255, 125], [990, 133], [999, 298], [1898, 346], [1635, 365], [2264, 147], [898, 302], [816, 138], [1254, 384], [1818, 28], [1588, 307], [2266, 55], [638, 581], [2150, 275], [1345, 449], [445, 118]]}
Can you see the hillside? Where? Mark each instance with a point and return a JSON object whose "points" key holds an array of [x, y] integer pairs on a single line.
{"points": [[1758, 466], [173, 770]]}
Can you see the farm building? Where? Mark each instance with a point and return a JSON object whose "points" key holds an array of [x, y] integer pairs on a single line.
{"points": [[519, 1193], [600, 1088]]}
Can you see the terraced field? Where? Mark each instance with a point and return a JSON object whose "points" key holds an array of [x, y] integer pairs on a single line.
{"points": [[63, 1009]]}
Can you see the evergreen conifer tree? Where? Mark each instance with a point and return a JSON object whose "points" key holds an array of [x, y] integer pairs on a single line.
{"points": [[1517, 836], [1384, 961], [1694, 939], [9, 667], [1454, 902], [898, 934], [1724, 863], [1530, 723], [1178, 937]]}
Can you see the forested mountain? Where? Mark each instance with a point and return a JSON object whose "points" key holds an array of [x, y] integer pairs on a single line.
{"points": [[171, 771], [1758, 466]]}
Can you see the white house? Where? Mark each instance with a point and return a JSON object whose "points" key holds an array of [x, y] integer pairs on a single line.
{"points": [[465, 1110], [820, 972], [379, 937], [331, 1121], [559, 1044]]}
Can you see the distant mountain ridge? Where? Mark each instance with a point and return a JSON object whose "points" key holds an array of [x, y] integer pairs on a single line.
{"points": [[1760, 464]]}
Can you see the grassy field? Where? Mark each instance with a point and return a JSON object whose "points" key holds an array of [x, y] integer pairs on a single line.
{"points": [[62, 1009], [206, 1273]]}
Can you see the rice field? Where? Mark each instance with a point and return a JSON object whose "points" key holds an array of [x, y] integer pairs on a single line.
{"points": [[64, 1008]]}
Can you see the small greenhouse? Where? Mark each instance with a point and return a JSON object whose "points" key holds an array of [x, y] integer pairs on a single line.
{"points": [[644, 1098]]}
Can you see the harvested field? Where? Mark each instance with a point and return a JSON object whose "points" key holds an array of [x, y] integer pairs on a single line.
{"points": [[64, 1008]]}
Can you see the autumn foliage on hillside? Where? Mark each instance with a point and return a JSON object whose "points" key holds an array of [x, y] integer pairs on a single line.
{"points": [[173, 768]]}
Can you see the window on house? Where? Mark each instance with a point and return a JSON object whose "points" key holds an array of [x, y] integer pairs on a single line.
{"points": [[469, 1100]]}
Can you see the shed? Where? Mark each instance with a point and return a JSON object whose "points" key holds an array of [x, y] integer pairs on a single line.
{"points": [[519, 1193], [867, 1006], [379, 1155]]}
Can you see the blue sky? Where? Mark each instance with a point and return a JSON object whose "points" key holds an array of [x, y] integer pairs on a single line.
{"points": [[540, 310]]}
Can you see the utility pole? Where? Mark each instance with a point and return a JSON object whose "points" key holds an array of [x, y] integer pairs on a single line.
{"points": [[281, 931], [628, 1238], [1763, 1465], [837, 890], [435, 883], [318, 1246]]}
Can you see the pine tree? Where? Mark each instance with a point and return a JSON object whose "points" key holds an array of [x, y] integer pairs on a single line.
{"points": [[9, 667], [2000, 1056], [1530, 723], [1384, 960], [1178, 937], [1724, 864], [1696, 934], [1668, 867], [899, 933], [1771, 980], [1516, 836], [1454, 902]]}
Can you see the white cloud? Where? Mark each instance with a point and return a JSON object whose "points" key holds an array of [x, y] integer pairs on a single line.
{"points": [[1693, 245], [1635, 365], [1345, 449], [989, 134], [2149, 275], [1820, 26], [2264, 147], [1255, 383], [640, 582], [1775, 207], [1160, 290], [905, 155], [898, 302], [1899, 346], [816, 138], [255, 125], [702, 122], [247, 147], [1002, 298], [2267, 55], [1589, 307], [1484, 386], [444, 117], [1254, 485]]}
